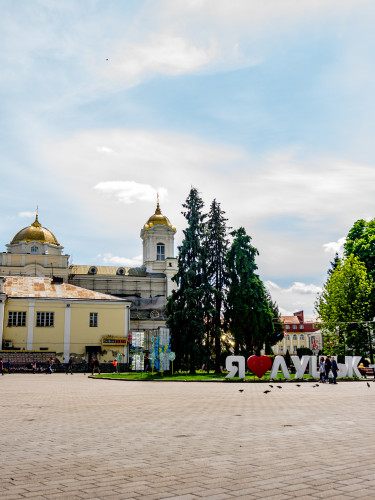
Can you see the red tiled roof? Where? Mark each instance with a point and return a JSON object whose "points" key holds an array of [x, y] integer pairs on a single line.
{"points": [[289, 320]]}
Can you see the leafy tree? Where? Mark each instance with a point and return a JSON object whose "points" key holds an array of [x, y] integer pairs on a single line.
{"points": [[185, 307], [288, 360], [361, 243], [216, 244], [248, 313], [344, 307], [304, 351], [277, 332]]}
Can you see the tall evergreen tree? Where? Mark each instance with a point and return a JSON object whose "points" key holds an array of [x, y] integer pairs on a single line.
{"points": [[185, 307], [248, 313], [276, 333], [216, 244], [334, 264]]}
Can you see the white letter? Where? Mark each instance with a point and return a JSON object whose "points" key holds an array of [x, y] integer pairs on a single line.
{"points": [[351, 363], [279, 361], [314, 369], [232, 369], [300, 365]]}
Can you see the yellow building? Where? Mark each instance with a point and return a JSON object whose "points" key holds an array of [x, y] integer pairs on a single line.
{"points": [[43, 314], [35, 251]]}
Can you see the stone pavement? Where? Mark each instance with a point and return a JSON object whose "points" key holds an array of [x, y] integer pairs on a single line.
{"points": [[73, 437]]}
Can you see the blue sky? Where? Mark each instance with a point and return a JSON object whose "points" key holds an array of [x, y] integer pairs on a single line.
{"points": [[266, 105]]}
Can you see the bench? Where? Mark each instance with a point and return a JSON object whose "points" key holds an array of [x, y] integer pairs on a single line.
{"points": [[366, 371]]}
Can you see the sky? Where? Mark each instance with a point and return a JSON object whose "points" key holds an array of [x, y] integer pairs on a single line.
{"points": [[265, 105]]}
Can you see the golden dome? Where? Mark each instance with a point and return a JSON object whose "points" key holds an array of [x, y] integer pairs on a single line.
{"points": [[158, 218], [35, 232]]}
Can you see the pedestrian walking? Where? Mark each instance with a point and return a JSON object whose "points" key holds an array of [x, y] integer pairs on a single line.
{"points": [[327, 368], [114, 363], [334, 369], [96, 366], [321, 369], [1, 366], [8, 367]]}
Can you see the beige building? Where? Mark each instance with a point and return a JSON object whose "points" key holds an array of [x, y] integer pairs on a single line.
{"points": [[35, 251], [47, 315], [299, 331]]}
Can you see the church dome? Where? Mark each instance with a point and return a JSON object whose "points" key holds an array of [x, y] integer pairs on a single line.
{"points": [[158, 218], [35, 232]]}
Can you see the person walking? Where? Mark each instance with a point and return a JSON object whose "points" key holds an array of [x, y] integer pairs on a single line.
{"points": [[327, 368], [96, 366], [334, 369], [7, 366], [114, 363], [70, 366], [321, 370], [1, 366]]}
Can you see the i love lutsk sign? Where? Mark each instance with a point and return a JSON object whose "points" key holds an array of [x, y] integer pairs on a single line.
{"points": [[260, 365]]}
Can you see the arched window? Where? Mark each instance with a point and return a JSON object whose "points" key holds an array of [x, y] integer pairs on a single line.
{"points": [[302, 337], [288, 337], [160, 251], [294, 337], [34, 249]]}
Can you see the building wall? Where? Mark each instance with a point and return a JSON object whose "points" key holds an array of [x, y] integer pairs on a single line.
{"points": [[71, 332]]}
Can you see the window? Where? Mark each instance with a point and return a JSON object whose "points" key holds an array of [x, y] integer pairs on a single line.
{"points": [[34, 249], [45, 319], [93, 270], [287, 327], [281, 348], [288, 337], [301, 327], [294, 337], [160, 251], [93, 319], [315, 327], [295, 348], [302, 337], [294, 327], [17, 318]]}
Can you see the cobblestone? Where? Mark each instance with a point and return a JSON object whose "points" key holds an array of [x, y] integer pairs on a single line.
{"points": [[74, 437]]}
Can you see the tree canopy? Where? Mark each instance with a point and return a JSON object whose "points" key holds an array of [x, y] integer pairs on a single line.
{"points": [[345, 308]]}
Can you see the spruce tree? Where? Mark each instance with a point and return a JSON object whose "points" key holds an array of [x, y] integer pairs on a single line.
{"points": [[185, 307], [216, 244], [248, 313]]}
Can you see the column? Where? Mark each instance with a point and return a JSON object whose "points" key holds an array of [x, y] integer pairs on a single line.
{"points": [[67, 322], [2, 308], [30, 326]]}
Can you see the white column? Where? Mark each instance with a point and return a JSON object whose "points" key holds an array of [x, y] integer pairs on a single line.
{"points": [[30, 326], [68, 316], [9, 259], [2, 307]]}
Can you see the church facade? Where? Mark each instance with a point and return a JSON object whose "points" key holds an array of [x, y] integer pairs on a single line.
{"points": [[35, 252]]}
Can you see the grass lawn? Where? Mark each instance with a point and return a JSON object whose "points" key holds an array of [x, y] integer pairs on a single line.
{"points": [[198, 377]]}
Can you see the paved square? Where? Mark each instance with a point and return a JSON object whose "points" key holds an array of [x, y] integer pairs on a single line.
{"points": [[71, 437]]}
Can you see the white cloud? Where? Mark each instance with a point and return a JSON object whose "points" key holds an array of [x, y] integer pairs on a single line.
{"points": [[26, 214], [298, 296], [130, 191], [115, 260], [159, 54], [334, 247]]}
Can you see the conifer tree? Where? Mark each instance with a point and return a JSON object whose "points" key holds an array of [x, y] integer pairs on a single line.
{"points": [[216, 244], [276, 333], [248, 313], [185, 307]]}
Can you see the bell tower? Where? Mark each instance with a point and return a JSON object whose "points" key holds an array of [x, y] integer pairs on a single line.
{"points": [[158, 246]]}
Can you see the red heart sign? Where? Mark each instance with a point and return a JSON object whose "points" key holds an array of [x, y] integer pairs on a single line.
{"points": [[259, 365]]}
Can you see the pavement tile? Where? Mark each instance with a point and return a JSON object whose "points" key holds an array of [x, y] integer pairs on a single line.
{"points": [[79, 438]]}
